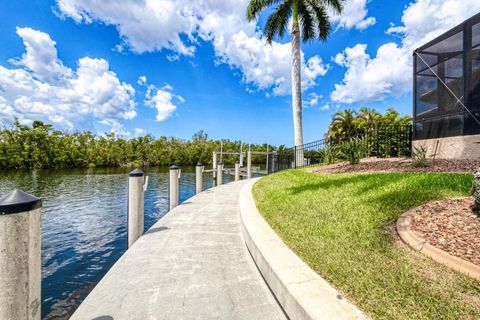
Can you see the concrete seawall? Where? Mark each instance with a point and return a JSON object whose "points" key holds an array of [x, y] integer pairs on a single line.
{"points": [[301, 292]]}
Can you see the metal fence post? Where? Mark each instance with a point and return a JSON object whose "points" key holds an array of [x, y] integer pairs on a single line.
{"points": [[20, 256], [198, 178], [219, 174], [295, 157], [136, 180], [410, 139], [173, 189], [237, 170]]}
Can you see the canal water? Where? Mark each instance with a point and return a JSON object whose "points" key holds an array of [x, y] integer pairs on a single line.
{"points": [[84, 224]]}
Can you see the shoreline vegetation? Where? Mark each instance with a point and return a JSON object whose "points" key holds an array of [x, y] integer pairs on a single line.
{"points": [[40, 146]]}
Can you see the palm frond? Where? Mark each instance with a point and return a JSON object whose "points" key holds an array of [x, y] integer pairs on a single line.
{"points": [[255, 7], [322, 19], [307, 21], [277, 23], [313, 16], [336, 5]]}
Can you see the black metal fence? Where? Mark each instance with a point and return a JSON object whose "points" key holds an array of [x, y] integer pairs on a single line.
{"points": [[381, 141]]}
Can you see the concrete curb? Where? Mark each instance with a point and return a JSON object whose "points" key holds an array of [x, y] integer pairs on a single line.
{"points": [[301, 292], [420, 244]]}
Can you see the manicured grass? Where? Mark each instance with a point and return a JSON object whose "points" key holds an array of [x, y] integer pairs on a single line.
{"points": [[343, 227]]}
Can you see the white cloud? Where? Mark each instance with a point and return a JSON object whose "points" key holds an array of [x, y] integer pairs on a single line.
{"points": [[163, 100], [173, 57], [40, 57], [325, 107], [119, 129], [153, 25], [144, 26], [389, 72], [312, 100], [142, 80], [139, 132], [42, 88], [116, 127], [424, 20], [369, 79], [364, 24], [354, 15]]}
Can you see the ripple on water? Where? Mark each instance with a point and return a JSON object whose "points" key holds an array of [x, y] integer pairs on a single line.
{"points": [[84, 220]]}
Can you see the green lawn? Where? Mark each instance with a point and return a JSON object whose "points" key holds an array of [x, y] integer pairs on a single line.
{"points": [[342, 226]]}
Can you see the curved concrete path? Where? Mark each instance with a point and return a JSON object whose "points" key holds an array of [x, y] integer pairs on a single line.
{"points": [[192, 264]]}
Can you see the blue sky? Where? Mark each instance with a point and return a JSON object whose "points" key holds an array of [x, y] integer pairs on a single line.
{"points": [[173, 67]]}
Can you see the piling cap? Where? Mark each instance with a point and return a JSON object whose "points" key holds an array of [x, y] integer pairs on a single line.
{"points": [[17, 201], [237, 161], [136, 173], [199, 165], [174, 167]]}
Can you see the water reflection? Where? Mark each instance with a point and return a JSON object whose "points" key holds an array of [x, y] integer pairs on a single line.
{"points": [[84, 220]]}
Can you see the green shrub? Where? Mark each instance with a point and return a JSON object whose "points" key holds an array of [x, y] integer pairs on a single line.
{"points": [[419, 157], [330, 154], [353, 150], [476, 190]]}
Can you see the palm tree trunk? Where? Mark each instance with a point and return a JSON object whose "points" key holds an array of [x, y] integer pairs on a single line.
{"points": [[297, 87]]}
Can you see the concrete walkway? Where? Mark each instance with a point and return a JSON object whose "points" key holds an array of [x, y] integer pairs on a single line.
{"points": [[192, 264]]}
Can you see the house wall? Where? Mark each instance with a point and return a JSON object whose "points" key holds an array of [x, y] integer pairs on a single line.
{"points": [[460, 147]]}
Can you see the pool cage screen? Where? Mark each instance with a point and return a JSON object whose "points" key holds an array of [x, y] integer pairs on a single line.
{"points": [[447, 83]]}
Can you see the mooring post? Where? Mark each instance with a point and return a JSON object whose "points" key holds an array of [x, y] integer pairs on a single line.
{"points": [[241, 155], [237, 170], [214, 168], [20, 258], [136, 180], [174, 177], [249, 164], [198, 178], [220, 174]]}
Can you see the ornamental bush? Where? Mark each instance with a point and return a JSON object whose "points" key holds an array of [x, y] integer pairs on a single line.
{"points": [[330, 154], [419, 157], [353, 150]]}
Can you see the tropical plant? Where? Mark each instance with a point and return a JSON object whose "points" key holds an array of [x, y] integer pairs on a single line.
{"points": [[310, 20], [392, 117], [329, 154], [354, 150], [348, 123], [368, 118], [343, 126], [388, 133], [419, 157]]}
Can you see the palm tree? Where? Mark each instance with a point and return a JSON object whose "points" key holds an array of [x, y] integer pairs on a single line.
{"points": [[368, 118], [343, 125], [393, 117], [309, 15]]}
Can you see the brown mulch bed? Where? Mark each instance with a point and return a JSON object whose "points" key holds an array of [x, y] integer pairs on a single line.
{"points": [[399, 165], [450, 225]]}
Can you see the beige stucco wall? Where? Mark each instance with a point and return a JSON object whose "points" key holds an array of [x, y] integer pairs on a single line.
{"points": [[461, 147]]}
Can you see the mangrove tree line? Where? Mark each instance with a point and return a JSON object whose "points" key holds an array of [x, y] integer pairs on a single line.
{"points": [[41, 146]]}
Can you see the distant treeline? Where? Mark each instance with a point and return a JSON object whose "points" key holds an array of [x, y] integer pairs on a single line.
{"points": [[41, 146]]}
